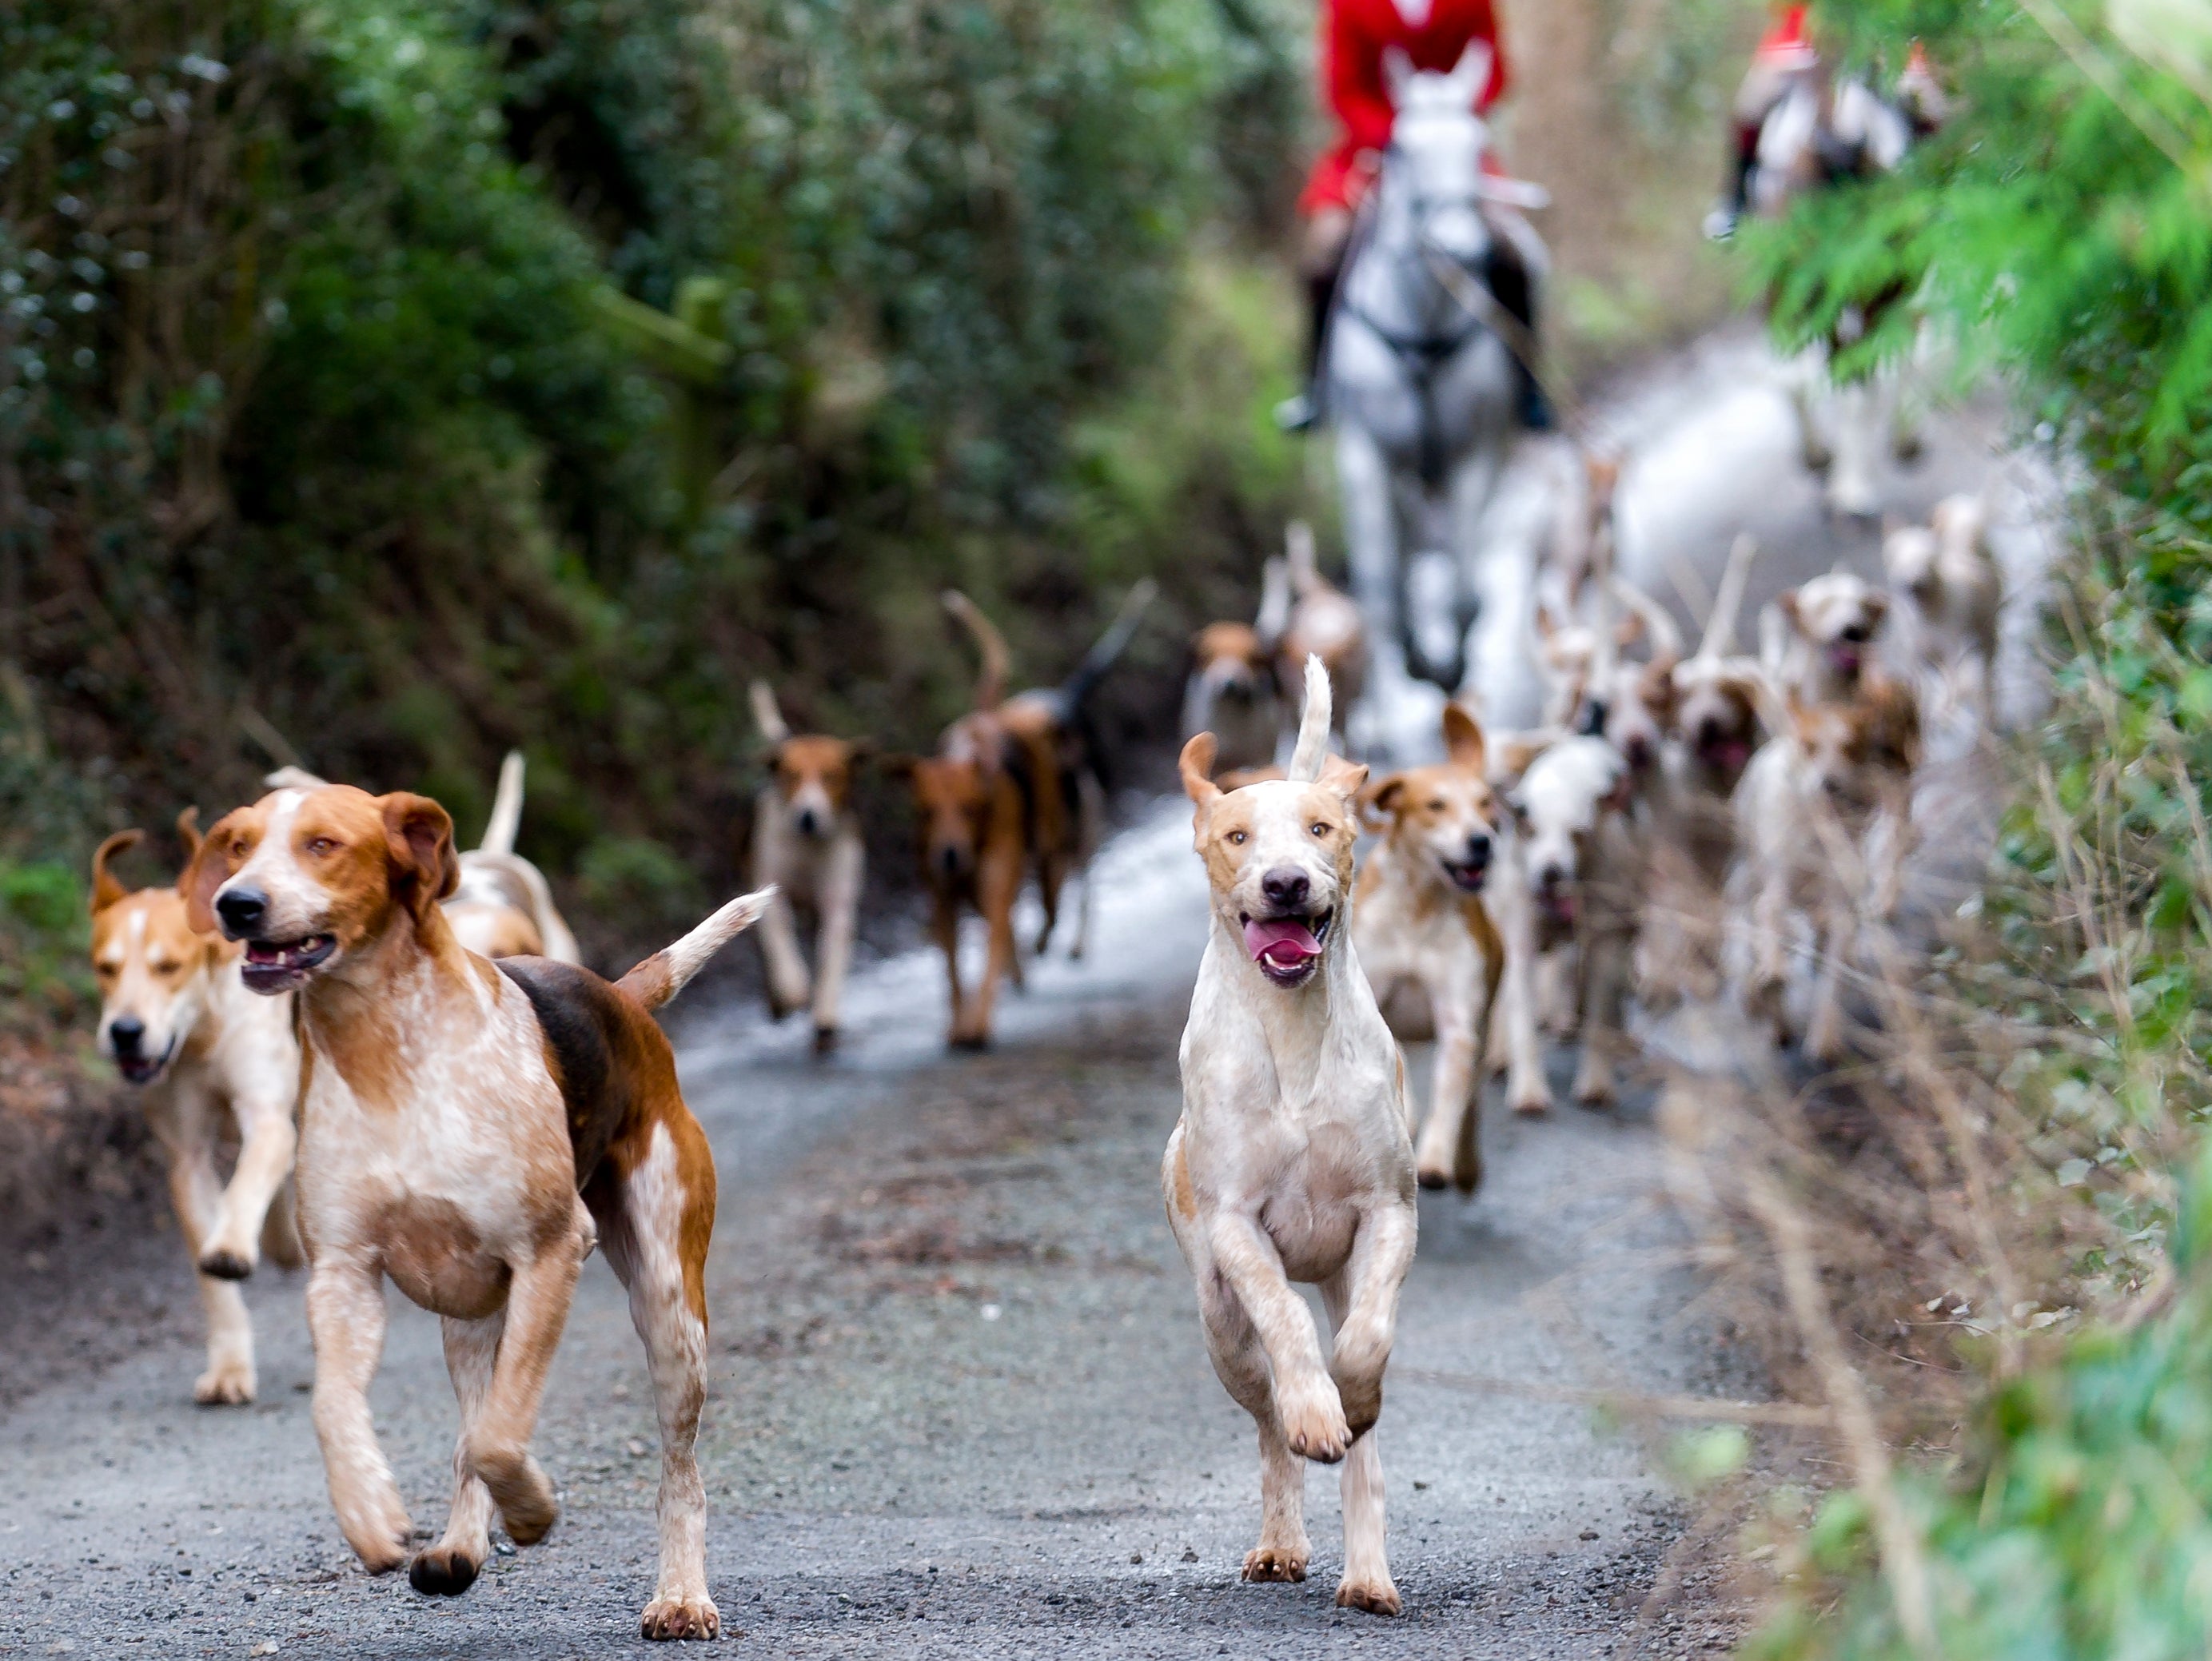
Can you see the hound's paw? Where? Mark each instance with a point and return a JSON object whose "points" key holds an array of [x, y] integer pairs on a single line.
{"points": [[681, 1617], [1594, 1093], [379, 1533], [1433, 1176], [443, 1572], [978, 1041], [1275, 1563], [1373, 1597], [1533, 1102], [825, 1040], [225, 1384], [226, 1262], [523, 1493], [1314, 1423]]}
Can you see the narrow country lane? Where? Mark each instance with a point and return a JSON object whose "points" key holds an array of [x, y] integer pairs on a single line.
{"points": [[961, 1405]]}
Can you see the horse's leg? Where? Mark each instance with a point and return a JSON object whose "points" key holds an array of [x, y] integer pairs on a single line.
{"points": [[1370, 532], [1851, 486], [1473, 481], [1810, 393]]}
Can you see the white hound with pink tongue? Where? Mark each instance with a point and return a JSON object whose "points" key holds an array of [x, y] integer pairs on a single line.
{"points": [[1293, 1160]]}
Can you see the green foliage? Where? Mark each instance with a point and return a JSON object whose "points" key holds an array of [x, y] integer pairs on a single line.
{"points": [[312, 418], [2059, 228]]}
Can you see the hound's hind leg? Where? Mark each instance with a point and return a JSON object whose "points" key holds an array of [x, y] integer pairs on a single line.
{"points": [[655, 1222]]}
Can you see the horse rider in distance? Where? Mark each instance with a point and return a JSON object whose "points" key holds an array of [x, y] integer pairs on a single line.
{"points": [[1355, 34]]}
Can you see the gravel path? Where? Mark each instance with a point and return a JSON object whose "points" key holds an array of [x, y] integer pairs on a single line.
{"points": [[961, 1405]]}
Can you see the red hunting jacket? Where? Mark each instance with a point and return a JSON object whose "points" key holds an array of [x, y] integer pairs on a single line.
{"points": [[1354, 35]]}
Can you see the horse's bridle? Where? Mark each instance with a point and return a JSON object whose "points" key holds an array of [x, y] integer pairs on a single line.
{"points": [[1422, 355]]}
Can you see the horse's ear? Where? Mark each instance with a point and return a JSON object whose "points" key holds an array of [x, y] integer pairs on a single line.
{"points": [[1470, 77], [1397, 74]]}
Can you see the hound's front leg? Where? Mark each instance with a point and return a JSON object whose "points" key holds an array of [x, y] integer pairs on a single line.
{"points": [[1767, 986], [186, 1132], [787, 987], [1451, 1142], [267, 1142], [345, 1318], [1240, 1361], [498, 1448], [997, 883], [450, 1567], [945, 924], [1307, 1406], [1526, 1087], [1605, 967], [841, 910]]}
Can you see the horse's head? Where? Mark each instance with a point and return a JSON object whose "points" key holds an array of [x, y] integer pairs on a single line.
{"points": [[1434, 165]]}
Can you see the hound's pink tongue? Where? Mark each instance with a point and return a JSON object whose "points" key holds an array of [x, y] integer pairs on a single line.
{"points": [[1282, 944]]}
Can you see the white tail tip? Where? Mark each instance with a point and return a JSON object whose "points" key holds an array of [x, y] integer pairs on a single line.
{"points": [[1313, 725]]}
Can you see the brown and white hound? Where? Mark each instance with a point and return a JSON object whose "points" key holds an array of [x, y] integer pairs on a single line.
{"points": [[469, 1130]]}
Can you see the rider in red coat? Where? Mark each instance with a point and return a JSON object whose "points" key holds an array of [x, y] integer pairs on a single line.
{"points": [[1355, 35], [1788, 52]]}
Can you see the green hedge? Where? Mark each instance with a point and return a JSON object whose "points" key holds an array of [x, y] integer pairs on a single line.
{"points": [[312, 418], [2061, 230]]}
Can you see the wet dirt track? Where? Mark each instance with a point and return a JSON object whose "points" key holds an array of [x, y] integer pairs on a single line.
{"points": [[960, 1403]]}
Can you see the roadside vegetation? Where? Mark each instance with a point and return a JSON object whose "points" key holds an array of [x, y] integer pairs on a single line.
{"points": [[1991, 1270], [388, 384]]}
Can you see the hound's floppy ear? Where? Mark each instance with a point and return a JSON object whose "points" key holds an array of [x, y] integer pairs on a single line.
{"points": [[418, 841], [208, 869], [107, 889], [1463, 741], [1397, 73], [188, 833], [1343, 776], [898, 763], [1378, 803], [860, 751], [1197, 769]]}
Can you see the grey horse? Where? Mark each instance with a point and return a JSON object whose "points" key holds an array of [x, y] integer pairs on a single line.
{"points": [[1420, 385]]}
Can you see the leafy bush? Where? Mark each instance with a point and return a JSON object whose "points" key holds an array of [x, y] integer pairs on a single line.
{"points": [[2057, 229], [315, 434]]}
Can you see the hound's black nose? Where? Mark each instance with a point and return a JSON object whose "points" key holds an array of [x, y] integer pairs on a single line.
{"points": [[1593, 722], [1478, 848], [1286, 889], [1856, 633], [241, 911], [810, 822], [126, 1033]]}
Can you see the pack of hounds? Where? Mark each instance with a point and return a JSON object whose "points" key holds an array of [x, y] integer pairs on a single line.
{"points": [[427, 1086]]}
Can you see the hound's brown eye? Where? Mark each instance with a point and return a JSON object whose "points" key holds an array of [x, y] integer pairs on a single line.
{"points": [[1319, 828], [320, 845], [1237, 838], [1435, 807]]}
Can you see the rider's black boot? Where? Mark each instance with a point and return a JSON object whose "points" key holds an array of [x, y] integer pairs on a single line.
{"points": [[1515, 295], [1299, 413], [1720, 223]]}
